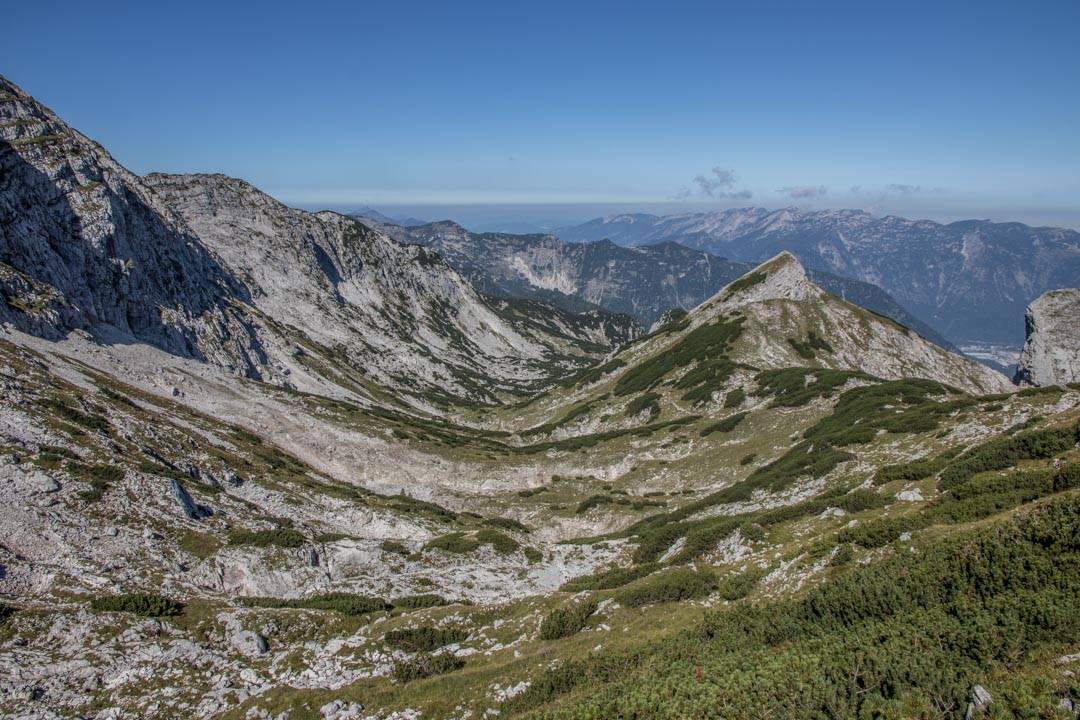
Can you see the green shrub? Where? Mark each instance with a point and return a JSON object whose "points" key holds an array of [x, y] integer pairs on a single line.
{"points": [[738, 586], [393, 546], [748, 459], [746, 281], [100, 478], [724, 426], [794, 387], [419, 602], [1066, 477], [279, 537], [143, 604], [424, 665], [590, 502], [503, 544], [507, 524], [566, 621], [703, 536], [978, 605], [456, 543], [706, 343], [344, 603], [609, 579], [807, 349], [424, 639], [735, 398], [1001, 453], [646, 401], [859, 500], [844, 555], [675, 584]]}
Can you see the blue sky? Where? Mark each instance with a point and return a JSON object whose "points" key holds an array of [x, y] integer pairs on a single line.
{"points": [[934, 109]]}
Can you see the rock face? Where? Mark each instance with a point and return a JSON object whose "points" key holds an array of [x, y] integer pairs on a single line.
{"points": [[1051, 354], [208, 267], [970, 280], [85, 244], [643, 282]]}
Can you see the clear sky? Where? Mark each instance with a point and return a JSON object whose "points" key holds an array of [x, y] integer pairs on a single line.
{"points": [[936, 109]]}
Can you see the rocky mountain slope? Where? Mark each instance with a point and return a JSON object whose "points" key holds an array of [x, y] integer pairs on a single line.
{"points": [[643, 281], [969, 280], [319, 553], [210, 268], [84, 243], [1051, 354], [776, 484]]}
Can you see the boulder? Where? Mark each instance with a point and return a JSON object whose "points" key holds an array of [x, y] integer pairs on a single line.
{"points": [[250, 643]]}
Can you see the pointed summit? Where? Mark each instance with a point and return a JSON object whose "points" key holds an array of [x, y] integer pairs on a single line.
{"points": [[780, 278]]}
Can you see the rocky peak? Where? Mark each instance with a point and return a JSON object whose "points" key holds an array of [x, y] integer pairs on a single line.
{"points": [[1051, 354], [85, 244], [780, 278]]}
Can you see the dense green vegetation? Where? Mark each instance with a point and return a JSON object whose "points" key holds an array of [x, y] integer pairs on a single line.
{"points": [[507, 524], [794, 387], [566, 621], [746, 281], [460, 543], [1008, 451], [706, 344], [424, 665], [905, 637], [807, 349], [144, 604], [424, 638], [977, 498], [418, 602], [646, 401], [344, 603], [735, 398], [724, 426], [609, 579], [681, 583]]}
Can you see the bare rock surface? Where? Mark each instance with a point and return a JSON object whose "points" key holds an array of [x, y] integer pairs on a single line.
{"points": [[1051, 354]]}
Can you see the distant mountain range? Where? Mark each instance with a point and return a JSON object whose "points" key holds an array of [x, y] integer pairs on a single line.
{"points": [[970, 280], [643, 282]]}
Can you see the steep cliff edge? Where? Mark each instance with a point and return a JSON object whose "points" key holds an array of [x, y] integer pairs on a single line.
{"points": [[1051, 354]]}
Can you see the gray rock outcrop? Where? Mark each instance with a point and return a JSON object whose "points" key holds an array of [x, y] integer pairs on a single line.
{"points": [[1051, 354]]}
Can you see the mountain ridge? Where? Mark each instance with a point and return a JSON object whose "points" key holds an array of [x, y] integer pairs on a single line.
{"points": [[971, 280], [643, 281]]}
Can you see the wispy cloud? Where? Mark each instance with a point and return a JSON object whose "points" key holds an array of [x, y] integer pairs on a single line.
{"points": [[719, 184], [803, 192], [902, 188]]}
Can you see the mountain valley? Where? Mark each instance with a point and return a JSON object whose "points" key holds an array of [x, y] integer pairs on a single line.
{"points": [[261, 463]]}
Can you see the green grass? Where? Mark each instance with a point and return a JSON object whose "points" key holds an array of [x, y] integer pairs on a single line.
{"points": [[907, 636]]}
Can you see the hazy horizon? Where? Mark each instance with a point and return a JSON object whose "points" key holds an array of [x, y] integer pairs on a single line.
{"points": [[547, 217], [950, 111]]}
